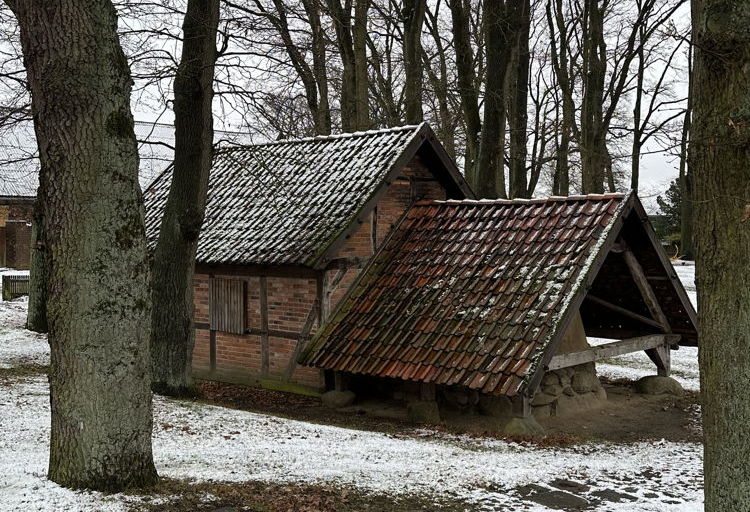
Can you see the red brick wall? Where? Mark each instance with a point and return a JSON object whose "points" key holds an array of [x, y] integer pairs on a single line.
{"points": [[17, 236], [290, 300]]}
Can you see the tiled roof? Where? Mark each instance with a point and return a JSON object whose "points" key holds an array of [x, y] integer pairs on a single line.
{"points": [[18, 182], [282, 203], [468, 293]]}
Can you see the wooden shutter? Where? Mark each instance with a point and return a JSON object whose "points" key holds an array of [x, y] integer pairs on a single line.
{"points": [[227, 305]]}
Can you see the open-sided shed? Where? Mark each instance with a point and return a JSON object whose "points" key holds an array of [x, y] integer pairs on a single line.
{"points": [[481, 294]]}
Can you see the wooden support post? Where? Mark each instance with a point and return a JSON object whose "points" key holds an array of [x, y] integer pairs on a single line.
{"points": [[521, 406], [649, 297], [264, 349], [212, 350], [339, 381], [661, 357], [427, 391], [303, 337]]}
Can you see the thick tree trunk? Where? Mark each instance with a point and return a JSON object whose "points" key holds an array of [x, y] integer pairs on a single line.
{"points": [[359, 40], [490, 181], [593, 132], [98, 303], [466, 78], [172, 336], [413, 13], [323, 115], [720, 161], [36, 318], [342, 22], [687, 247], [519, 99]]}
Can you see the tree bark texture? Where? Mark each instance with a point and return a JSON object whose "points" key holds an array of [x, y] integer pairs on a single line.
{"points": [[687, 248], [466, 78], [593, 142], [519, 100], [720, 161], [98, 302], [490, 177], [413, 15], [172, 335], [36, 318], [323, 113]]}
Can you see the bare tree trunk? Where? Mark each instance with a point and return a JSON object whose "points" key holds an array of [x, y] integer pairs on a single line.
{"points": [[413, 15], [490, 168], [352, 44], [559, 57], [720, 161], [359, 39], [172, 335], [466, 77], [323, 116], [593, 131], [518, 104], [98, 303], [36, 318], [635, 164], [686, 179]]}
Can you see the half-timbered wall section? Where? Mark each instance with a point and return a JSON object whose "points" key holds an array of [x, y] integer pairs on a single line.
{"points": [[289, 226]]}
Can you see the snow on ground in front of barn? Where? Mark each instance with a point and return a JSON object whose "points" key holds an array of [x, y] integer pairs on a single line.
{"points": [[202, 442]]}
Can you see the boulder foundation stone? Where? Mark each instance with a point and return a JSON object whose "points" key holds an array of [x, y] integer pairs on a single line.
{"points": [[656, 385], [569, 390], [337, 399], [423, 411]]}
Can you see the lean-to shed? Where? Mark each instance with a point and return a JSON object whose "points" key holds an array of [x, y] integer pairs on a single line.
{"points": [[480, 294]]}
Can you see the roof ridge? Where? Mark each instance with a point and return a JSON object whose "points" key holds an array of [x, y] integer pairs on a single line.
{"points": [[488, 202], [337, 136]]}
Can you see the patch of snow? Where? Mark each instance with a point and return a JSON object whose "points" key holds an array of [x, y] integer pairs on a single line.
{"points": [[201, 442]]}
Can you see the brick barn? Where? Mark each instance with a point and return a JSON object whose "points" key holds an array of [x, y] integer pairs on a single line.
{"points": [[17, 195], [288, 227]]}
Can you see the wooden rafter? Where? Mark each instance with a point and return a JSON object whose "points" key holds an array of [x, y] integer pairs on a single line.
{"points": [[647, 292], [624, 312]]}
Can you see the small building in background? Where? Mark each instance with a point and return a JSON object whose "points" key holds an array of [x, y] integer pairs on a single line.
{"points": [[17, 194]]}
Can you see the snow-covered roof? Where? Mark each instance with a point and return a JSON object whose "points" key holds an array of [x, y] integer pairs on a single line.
{"points": [[478, 293], [285, 202]]}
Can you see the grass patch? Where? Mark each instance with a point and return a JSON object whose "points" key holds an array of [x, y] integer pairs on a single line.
{"points": [[173, 495]]}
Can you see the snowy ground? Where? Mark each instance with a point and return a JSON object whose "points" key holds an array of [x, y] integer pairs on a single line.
{"points": [[201, 442]]}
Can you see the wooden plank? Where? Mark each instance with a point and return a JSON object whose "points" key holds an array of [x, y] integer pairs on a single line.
{"points": [[264, 350], [662, 358], [303, 337], [521, 406], [427, 391], [649, 297], [613, 349], [212, 350], [624, 312]]}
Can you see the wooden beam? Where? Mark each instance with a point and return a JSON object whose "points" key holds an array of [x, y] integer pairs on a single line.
{"points": [[264, 349], [212, 350], [303, 337], [662, 358], [613, 349], [623, 311], [647, 292], [521, 406]]}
